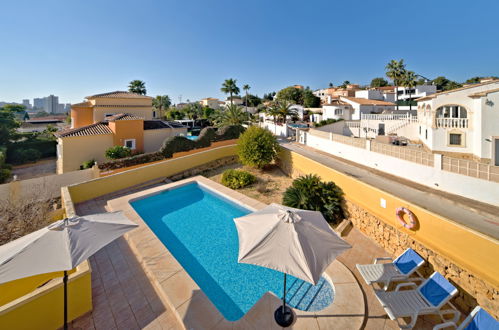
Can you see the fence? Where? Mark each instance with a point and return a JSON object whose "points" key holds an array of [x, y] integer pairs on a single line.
{"points": [[354, 142], [470, 168], [406, 153]]}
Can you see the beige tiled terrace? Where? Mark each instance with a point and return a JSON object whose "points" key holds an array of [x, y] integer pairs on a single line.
{"points": [[142, 286]]}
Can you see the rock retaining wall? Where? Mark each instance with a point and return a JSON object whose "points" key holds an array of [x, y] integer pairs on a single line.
{"points": [[472, 290]]}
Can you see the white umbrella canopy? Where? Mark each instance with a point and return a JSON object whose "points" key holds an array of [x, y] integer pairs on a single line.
{"points": [[293, 241], [60, 246]]}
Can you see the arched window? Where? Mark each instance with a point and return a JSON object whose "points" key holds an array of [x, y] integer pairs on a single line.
{"points": [[451, 111], [428, 109]]}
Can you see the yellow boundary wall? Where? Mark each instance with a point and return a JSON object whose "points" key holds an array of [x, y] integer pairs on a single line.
{"points": [[470, 250], [43, 307], [97, 187]]}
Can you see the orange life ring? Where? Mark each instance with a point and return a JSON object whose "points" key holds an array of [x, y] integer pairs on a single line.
{"points": [[400, 217]]}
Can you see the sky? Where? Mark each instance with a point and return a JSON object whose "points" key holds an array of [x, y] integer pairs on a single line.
{"points": [[76, 48]]}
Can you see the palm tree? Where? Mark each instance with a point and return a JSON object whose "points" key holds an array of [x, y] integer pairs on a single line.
{"points": [[273, 110], [229, 87], [231, 115], [246, 89], [137, 86], [284, 110], [409, 80], [395, 71], [160, 103]]}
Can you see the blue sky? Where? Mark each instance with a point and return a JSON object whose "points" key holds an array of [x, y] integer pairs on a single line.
{"points": [[77, 48]]}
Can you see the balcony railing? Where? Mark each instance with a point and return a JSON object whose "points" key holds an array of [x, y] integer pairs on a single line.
{"points": [[451, 122]]}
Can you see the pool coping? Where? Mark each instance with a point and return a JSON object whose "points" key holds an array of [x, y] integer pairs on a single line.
{"points": [[193, 308]]}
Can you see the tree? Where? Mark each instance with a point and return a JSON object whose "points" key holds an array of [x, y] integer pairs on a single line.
{"points": [[8, 125], [473, 80], [174, 114], [291, 94], [246, 89], [395, 71], [444, 84], [273, 110], [138, 87], [269, 97], [409, 80], [14, 108], [253, 100], [331, 85], [193, 111], [283, 110], [345, 84], [160, 103], [379, 82], [229, 87], [310, 193], [310, 100], [231, 115], [257, 147]]}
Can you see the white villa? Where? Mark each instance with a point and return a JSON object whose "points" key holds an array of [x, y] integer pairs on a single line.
{"points": [[463, 121]]}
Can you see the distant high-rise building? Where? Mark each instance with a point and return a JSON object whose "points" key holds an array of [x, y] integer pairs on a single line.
{"points": [[67, 108], [39, 103], [27, 104], [51, 103], [61, 108]]}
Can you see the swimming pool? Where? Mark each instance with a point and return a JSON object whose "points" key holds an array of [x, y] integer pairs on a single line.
{"points": [[298, 125], [192, 137], [196, 225]]}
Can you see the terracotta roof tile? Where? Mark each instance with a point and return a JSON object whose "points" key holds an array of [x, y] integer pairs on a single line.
{"points": [[82, 104], [484, 93], [94, 129], [119, 94], [123, 116], [362, 101]]}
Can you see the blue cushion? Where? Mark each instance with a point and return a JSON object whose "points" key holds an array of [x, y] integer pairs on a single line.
{"points": [[437, 289], [408, 261], [483, 320]]}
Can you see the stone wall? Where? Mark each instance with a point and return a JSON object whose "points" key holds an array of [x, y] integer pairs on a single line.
{"points": [[472, 290]]}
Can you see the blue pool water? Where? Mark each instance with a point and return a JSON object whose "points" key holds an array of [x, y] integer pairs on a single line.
{"points": [[192, 137], [298, 125], [197, 227]]}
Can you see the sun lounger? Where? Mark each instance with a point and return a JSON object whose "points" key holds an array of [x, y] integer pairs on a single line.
{"points": [[478, 319], [427, 298], [398, 270]]}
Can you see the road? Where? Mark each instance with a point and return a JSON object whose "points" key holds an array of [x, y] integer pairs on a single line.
{"points": [[480, 217]]}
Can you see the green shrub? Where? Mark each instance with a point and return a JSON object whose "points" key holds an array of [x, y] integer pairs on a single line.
{"points": [[205, 137], [310, 193], [257, 147], [4, 174], [175, 144], [229, 132], [87, 164], [46, 148], [118, 152], [235, 179], [21, 156], [327, 122]]}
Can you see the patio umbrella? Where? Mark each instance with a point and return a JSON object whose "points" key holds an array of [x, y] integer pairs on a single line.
{"points": [[60, 246], [296, 242]]}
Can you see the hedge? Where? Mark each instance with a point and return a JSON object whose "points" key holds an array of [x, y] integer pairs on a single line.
{"points": [[46, 148], [175, 144]]}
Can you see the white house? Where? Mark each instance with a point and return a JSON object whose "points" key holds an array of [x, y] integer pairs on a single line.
{"points": [[337, 109], [366, 106], [463, 122], [419, 91]]}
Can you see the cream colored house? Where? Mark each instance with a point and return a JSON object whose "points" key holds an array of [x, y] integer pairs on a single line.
{"points": [[462, 122], [78, 145], [211, 102], [97, 107]]}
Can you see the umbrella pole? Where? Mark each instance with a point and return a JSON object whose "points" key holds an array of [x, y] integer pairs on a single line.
{"points": [[283, 315], [65, 280]]}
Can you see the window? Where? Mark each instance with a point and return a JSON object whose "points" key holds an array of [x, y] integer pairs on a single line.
{"points": [[154, 114], [338, 112], [451, 111], [426, 134], [108, 115], [130, 144], [455, 139], [419, 130]]}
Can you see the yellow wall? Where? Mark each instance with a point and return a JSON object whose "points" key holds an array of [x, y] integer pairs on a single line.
{"points": [[82, 116], [470, 250], [154, 138], [76, 150], [98, 187], [43, 308], [128, 129]]}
